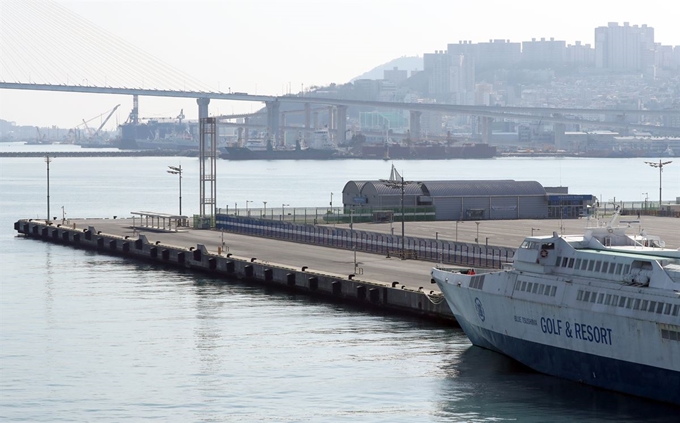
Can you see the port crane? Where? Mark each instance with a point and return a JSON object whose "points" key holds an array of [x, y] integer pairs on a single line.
{"points": [[92, 133]]}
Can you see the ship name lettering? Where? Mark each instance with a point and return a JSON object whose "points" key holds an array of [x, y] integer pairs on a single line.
{"points": [[526, 320], [597, 334], [551, 326]]}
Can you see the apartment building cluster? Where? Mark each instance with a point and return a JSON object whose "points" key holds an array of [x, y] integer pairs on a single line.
{"points": [[618, 49]]}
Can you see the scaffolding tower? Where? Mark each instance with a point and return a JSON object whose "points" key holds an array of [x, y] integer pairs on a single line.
{"points": [[208, 166]]}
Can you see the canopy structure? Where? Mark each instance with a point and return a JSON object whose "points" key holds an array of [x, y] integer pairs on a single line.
{"points": [[158, 221]]}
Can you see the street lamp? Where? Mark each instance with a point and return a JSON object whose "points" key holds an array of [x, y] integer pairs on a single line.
{"points": [[477, 237], [659, 165], [534, 229], [177, 170], [351, 235], [457, 222], [283, 211], [646, 194], [48, 159], [265, 209], [247, 212]]}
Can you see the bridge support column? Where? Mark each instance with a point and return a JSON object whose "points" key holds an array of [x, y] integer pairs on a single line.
{"points": [[414, 124], [202, 107], [559, 129], [246, 131], [315, 122], [282, 134], [308, 123], [331, 118], [341, 124], [486, 128], [273, 121]]}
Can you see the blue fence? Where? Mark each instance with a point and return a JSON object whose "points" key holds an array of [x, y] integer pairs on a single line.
{"points": [[427, 249]]}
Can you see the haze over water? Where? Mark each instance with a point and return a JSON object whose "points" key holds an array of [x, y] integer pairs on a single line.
{"points": [[89, 337]]}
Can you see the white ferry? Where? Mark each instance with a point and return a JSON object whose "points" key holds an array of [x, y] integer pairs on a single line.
{"points": [[601, 308]]}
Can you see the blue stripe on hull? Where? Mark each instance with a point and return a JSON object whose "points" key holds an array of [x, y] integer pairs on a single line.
{"points": [[608, 373]]}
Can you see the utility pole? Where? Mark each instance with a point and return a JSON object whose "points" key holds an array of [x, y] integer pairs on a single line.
{"points": [[401, 184], [177, 170]]}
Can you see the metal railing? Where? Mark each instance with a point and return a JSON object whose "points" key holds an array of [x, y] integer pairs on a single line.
{"points": [[428, 249]]}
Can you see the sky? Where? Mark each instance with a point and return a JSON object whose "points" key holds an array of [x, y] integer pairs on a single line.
{"points": [[273, 46]]}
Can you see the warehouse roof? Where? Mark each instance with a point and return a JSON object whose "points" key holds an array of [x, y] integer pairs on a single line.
{"points": [[483, 188]]}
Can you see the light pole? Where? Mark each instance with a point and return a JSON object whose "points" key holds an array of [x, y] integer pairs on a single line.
{"points": [[534, 229], [477, 237], [646, 194], [48, 159], [265, 209], [283, 211], [457, 222], [177, 170], [659, 165], [247, 212], [351, 235]]}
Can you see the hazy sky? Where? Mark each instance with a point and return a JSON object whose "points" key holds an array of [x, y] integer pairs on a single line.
{"points": [[266, 46]]}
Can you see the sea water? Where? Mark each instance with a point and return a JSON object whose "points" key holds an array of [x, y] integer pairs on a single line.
{"points": [[89, 337]]}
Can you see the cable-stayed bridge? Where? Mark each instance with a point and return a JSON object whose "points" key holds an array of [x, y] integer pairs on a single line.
{"points": [[46, 47]]}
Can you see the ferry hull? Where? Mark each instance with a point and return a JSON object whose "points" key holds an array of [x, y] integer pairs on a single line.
{"points": [[603, 372]]}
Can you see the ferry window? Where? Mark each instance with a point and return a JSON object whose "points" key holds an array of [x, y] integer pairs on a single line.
{"points": [[548, 246], [676, 309], [591, 264], [529, 286], [605, 267], [584, 264], [564, 262], [608, 300], [636, 305], [586, 297], [667, 309], [524, 286], [615, 300], [622, 301], [644, 305], [540, 289], [525, 244], [553, 291], [629, 302], [547, 290], [600, 298], [578, 264], [618, 268], [659, 308], [517, 285], [652, 306], [675, 336], [598, 264], [593, 297], [626, 268], [612, 267], [571, 263], [533, 291]]}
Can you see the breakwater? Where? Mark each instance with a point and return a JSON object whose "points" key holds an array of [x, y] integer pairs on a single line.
{"points": [[399, 296]]}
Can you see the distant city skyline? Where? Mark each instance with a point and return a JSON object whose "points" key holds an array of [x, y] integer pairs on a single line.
{"points": [[270, 47]]}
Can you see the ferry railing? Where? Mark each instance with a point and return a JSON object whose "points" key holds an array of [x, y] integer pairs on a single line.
{"points": [[435, 250]]}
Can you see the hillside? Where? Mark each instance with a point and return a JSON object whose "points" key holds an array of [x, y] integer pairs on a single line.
{"points": [[408, 63]]}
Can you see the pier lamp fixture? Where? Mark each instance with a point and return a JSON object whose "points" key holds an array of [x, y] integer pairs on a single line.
{"points": [[264, 214], [177, 170], [247, 212], [660, 166], [534, 229], [283, 211], [477, 237], [646, 194], [457, 222], [48, 159], [351, 235]]}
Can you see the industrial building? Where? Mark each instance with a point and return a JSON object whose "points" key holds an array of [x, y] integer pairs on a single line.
{"points": [[466, 200]]}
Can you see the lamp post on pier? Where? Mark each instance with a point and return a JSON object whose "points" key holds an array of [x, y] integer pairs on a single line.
{"points": [[660, 166], [247, 212], [457, 222], [283, 211], [177, 170], [477, 237], [265, 210], [48, 159], [397, 181], [534, 229]]}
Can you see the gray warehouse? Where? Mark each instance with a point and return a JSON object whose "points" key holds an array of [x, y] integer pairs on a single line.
{"points": [[464, 200]]}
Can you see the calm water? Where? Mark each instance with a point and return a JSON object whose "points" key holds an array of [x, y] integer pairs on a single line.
{"points": [[88, 337]]}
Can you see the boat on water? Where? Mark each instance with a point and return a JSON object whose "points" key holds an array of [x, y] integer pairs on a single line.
{"points": [[320, 147], [435, 151], [158, 134], [602, 308]]}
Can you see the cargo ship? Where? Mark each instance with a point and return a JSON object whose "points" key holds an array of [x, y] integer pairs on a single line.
{"points": [[600, 308]]}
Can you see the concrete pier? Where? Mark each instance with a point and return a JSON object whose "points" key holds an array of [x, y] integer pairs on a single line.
{"points": [[379, 282]]}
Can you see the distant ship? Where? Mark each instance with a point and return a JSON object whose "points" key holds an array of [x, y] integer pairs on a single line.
{"points": [[321, 148], [158, 134], [428, 151]]}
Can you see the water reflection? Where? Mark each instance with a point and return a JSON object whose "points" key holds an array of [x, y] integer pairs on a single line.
{"points": [[482, 385]]}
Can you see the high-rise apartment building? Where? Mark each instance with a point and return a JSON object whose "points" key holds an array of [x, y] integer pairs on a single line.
{"points": [[544, 52], [580, 55], [438, 67], [624, 47]]}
